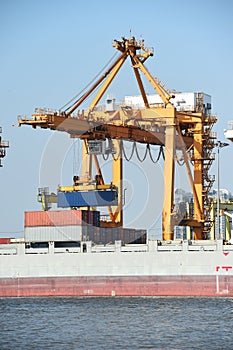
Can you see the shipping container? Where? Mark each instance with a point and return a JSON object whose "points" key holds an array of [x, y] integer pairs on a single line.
{"points": [[87, 233], [106, 235], [98, 235], [87, 199], [53, 233], [96, 218], [60, 218], [5, 240]]}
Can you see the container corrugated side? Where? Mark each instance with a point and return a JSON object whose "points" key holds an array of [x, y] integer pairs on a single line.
{"points": [[104, 235], [60, 218], [87, 199], [53, 233]]}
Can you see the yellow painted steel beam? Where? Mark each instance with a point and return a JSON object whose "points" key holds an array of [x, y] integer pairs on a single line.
{"points": [[115, 212], [99, 172], [46, 199], [169, 173], [86, 171], [140, 84], [190, 177], [86, 187], [165, 96], [99, 81], [117, 177], [90, 129], [198, 178], [73, 126], [108, 81]]}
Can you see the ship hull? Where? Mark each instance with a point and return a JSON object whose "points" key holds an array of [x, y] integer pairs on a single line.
{"points": [[167, 269], [117, 286]]}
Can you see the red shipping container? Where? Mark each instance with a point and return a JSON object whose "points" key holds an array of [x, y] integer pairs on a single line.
{"points": [[53, 218], [5, 240]]}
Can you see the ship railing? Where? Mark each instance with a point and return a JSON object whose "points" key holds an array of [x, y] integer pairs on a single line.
{"points": [[44, 110], [67, 250], [8, 251], [134, 248], [103, 249], [173, 246], [37, 251]]}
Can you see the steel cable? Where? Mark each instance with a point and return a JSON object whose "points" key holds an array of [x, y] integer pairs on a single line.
{"points": [[124, 153], [161, 152], [142, 160], [77, 95], [134, 149], [180, 162], [105, 156]]}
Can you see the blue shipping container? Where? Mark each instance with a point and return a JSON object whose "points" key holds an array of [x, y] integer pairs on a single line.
{"points": [[87, 199]]}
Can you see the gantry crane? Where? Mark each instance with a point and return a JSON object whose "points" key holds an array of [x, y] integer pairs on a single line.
{"points": [[3, 146], [187, 132]]}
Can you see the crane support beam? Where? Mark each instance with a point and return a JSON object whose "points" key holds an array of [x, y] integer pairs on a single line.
{"points": [[169, 173], [83, 129], [140, 84], [95, 85], [117, 177], [108, 81], [165, 96], [190, 177], [198, 178], [99, 173]]}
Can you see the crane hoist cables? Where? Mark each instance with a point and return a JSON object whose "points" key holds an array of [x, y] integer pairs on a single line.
{"points": [[84, 89], [180, 162], [161, 152], [135, 150], [147, 151], [138, 156], [132, 152]]}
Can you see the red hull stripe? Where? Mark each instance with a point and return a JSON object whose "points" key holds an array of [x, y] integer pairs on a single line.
{"points": [[219, 285]]}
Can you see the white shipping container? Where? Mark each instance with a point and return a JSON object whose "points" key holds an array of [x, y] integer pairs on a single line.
{"points": [[53, 233]]}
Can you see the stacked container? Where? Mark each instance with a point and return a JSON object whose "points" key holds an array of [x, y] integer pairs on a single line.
{"points": [[59, 225], [105, 235], [75, 225]]}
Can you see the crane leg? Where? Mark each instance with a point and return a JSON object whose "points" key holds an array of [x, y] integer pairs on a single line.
{"points": [[169, 172]]}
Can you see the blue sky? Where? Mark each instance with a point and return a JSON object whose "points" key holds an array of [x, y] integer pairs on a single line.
{"points": [[51, 49]]}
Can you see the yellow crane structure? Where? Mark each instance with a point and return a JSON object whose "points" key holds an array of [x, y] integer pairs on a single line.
{"points": [[189, 133]]}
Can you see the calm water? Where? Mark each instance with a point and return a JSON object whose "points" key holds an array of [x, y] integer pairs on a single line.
{"points": [[116, 323]]}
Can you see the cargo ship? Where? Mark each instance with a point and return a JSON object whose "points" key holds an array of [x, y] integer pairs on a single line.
{"points": [[67, 253], [157, 268], [73, 251]]}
